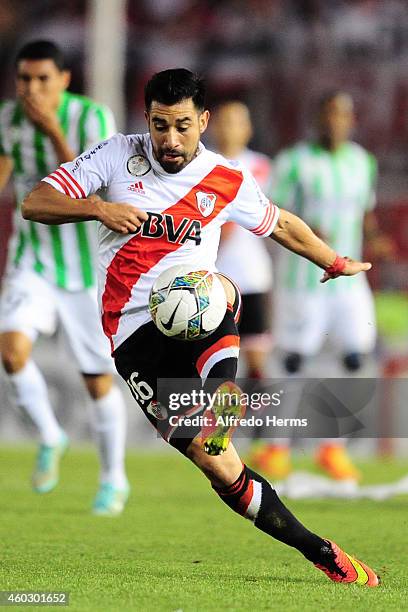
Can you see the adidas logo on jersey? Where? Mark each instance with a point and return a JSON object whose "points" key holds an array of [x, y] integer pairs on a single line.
{"points": [[137, 188]]}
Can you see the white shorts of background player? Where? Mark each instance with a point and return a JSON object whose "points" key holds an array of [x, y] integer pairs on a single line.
{"points": [[305, 320], [31, 305]]}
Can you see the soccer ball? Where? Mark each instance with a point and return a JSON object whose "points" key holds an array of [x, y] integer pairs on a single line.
{"points": [[187, 304]]}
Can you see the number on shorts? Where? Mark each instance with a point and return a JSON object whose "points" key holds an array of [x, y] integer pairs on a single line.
{"points": [[141, 390]]}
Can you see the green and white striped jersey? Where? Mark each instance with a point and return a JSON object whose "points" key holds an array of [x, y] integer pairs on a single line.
{"points": [[63, 254], [331, 192]]}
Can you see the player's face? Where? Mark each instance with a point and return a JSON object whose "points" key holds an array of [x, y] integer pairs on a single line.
{"points": [[175, 132], [231, 126], [41, 81], [337, 118]]}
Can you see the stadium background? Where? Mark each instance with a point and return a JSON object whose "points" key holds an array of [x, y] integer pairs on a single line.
{"points": [[275, 55]]}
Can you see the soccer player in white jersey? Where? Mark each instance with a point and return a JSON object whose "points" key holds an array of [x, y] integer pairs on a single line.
{"points": [[242, 255], [169, 197], [50, 272], [330, 183]]}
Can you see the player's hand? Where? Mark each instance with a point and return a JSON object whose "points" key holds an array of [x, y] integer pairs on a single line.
{"points": [[41, 115], [351, 268], [121, 218]]}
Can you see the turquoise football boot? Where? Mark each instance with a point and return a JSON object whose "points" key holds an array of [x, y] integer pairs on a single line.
{"points": [[46, 473], [110, 500]]}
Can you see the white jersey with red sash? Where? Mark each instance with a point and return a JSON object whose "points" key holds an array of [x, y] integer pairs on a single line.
{"points": [[186, 211]]}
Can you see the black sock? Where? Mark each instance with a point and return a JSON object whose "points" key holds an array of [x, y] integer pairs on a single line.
{"points": [[253, 497]]}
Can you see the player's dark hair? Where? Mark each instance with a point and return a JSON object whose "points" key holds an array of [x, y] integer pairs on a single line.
{"points": [[172, 86], [42, 49]]}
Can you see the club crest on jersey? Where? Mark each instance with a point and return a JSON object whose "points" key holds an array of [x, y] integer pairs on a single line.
{"points": [[205, 202], [138, 165]]}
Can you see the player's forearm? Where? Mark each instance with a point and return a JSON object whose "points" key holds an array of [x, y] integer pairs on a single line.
{"points": [[45, 204], [292, 233]]}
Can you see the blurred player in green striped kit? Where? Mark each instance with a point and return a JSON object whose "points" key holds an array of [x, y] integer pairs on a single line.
{"points": [[50, 275], [330, 183]]}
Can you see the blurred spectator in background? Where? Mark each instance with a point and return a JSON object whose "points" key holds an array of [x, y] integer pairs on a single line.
{"points": [[50, 276], [243, 256], [330, 183]]}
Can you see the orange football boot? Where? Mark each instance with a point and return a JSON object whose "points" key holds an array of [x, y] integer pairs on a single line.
{"points": [[272, 459], [336, 462], [341, 567]]}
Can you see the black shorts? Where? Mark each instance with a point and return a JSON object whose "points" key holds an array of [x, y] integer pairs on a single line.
{"points": [[148, 355], [255, 314]]}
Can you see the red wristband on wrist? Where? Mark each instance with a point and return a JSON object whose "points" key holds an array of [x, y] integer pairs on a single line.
{"points": [[336, 267]]}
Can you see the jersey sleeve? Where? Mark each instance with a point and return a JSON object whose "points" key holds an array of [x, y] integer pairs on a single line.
{"points": [[89, 172], [251, 208], [373, 175], [285, 179]]}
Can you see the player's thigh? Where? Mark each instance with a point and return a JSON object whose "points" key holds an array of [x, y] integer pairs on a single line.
{"points": [[27, 304], [354, 320], [229, 287], [137, 360], [82, 330], [152, 365], [301, 322]]}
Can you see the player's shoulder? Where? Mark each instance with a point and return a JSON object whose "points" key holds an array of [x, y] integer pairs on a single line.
{"points": [[139, 144], [294, 151], [109, 151], [236, 172], [358, 150], [132, 143], [291, 161], [85, 104], [122, 151], [8, 103], [250, 156], [230, 165], [7, 110]]}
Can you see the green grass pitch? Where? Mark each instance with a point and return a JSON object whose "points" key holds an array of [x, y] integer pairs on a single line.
{"points": [[178, 548]]}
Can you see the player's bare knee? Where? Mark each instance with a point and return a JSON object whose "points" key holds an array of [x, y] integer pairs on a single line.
{"points": [[98, 385], [15, 351], [13, 362]]}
